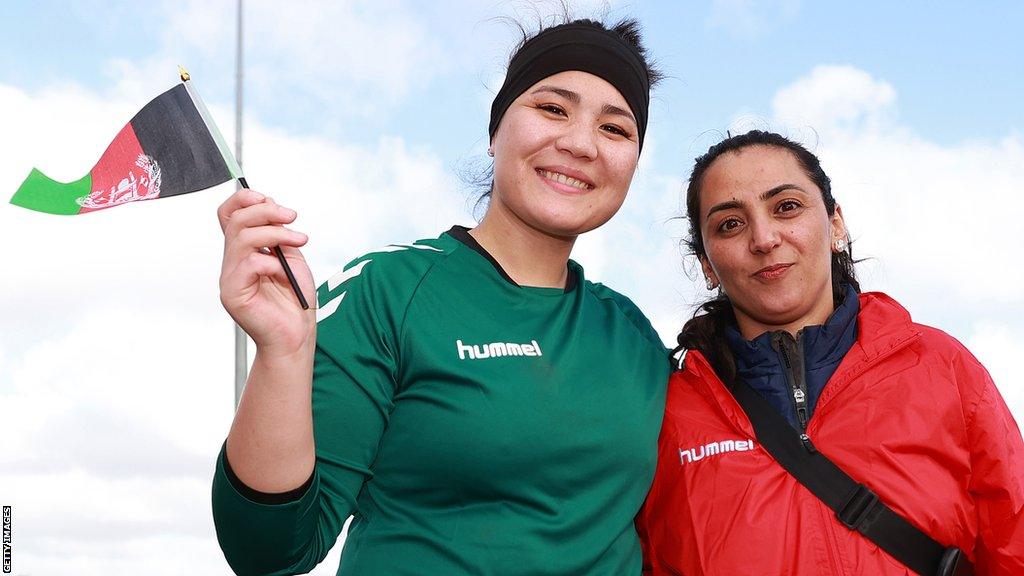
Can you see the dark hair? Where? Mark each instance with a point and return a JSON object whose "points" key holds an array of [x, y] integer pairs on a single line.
{"points": [[706, 330], [481, 177]]}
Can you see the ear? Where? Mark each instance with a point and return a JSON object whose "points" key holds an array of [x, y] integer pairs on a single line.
{"points": [[709, 272], [838, 226]]}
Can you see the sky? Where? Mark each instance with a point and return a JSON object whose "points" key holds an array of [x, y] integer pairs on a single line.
{"points": [[116, 357]]}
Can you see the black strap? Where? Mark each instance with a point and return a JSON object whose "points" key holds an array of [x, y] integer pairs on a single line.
{"points": [[857, 507]]}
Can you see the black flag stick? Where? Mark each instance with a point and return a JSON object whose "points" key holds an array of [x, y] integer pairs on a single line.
{"points": [[284, 264], [215, 134]]}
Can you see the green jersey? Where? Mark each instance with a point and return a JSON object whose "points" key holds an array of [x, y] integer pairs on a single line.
{"points": [[470, 425]]}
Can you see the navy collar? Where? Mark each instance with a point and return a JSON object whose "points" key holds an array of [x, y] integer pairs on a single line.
{"points": [[823, 344]]}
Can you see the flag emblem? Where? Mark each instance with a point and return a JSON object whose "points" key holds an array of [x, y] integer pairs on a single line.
{"points": [[145, 186]]}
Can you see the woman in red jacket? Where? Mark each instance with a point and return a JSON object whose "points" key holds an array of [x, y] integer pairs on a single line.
{"points": [[901, 408]]}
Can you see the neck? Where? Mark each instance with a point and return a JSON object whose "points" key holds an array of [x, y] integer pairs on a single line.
{"points": [[529, 256]]}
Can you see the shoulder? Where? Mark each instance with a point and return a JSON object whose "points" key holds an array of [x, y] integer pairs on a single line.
{"points": [[939, 355], [940, 342], [881, 314], [942, 349], [382, 275], [942, 353], [625, 308]]}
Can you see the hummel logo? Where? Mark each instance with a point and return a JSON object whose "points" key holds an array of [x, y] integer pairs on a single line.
{"points": [[713, 449], [497, 349]]}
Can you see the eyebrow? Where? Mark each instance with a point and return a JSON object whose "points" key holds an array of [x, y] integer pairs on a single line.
{"points": [[766, 195], [616, 111], [569, 95], [575, 98]]}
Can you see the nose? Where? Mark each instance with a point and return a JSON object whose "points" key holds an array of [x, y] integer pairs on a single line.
{"points": [[764, 236], [578, 139]]}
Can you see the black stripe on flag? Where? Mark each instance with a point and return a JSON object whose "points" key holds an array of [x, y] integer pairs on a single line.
{"points": [[173, 133]]}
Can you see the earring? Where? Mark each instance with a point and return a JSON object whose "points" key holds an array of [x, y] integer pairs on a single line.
{"points": [[840, 245], [490, 152], [709, 284]]}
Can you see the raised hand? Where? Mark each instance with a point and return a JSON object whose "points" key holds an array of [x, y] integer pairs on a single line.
{"points": [[253, 286]]}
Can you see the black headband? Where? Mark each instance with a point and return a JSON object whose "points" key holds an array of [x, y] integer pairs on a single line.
{"points": [[582, 47]]}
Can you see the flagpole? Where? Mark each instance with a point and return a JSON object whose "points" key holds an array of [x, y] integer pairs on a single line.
{"points": [[241, 338]]}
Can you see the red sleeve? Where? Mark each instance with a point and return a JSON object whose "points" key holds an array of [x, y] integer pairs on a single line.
{"points": [[997, 479]]}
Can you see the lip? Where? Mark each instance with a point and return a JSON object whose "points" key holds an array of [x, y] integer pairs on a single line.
{"points": [[567, 171], [773, 272]]}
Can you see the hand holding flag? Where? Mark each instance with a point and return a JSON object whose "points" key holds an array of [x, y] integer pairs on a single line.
{"points": [[253, 286]]}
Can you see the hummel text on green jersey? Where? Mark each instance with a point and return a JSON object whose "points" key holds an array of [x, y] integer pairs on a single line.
{"points": [[497, 349]]}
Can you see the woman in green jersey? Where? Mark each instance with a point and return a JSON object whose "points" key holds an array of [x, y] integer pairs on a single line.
{"points": [[473, 401]]}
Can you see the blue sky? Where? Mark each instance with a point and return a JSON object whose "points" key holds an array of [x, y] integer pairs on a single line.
{"points": [[958, 65], [115, 355]]}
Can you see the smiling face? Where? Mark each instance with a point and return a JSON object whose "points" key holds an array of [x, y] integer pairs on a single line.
{"points": [[564, 155], [768, 239]]}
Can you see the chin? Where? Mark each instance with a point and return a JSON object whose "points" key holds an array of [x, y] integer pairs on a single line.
{"points": [[778, 311], [567, 226]]}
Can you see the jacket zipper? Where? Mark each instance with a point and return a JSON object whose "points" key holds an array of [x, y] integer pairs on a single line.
{"points": [[787, 347], [791, 353]]}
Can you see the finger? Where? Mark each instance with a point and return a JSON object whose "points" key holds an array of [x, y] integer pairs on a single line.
{"points": [[250, 240], [248, 273], [292, 252], [240, 199], [262, 214], [259, 273]]}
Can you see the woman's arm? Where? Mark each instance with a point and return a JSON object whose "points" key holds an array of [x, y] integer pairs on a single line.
{"points": [[279, 497], [270, 445]]}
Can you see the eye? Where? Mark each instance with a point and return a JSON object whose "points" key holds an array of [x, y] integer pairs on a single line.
{"points": [[788, 206], [552, 109], [617, 130], [728, 225]]}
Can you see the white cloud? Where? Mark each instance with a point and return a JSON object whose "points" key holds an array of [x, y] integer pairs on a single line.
{"points": [[358, 56], [353, 58], [836, 98]]}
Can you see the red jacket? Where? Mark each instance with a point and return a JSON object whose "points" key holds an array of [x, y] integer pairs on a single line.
{"points": [[909, 412]]}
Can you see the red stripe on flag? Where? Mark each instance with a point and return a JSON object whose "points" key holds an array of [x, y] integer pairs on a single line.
{"points": [[123, 174]]}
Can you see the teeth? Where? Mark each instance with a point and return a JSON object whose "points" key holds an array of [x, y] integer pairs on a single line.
{"points": [[563, 179]]}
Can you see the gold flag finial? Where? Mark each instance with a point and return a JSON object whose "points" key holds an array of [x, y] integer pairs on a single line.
{"points": [[183, 73]]}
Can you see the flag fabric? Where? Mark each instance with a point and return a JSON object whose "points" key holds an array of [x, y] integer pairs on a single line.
{"points": [[171, 147]]}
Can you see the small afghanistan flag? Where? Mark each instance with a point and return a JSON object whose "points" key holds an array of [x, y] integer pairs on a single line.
{"points": [[171, 147]]}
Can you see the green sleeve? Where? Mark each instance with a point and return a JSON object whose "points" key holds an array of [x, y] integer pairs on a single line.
{"points": [[353, 386], [255, 536]]}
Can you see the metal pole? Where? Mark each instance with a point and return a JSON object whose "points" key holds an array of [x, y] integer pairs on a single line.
{"points": [[241, 338]]}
